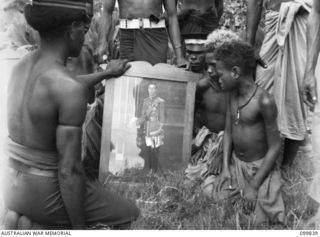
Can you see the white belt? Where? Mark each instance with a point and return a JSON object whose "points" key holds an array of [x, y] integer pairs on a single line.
{"points": [[142, 23]]}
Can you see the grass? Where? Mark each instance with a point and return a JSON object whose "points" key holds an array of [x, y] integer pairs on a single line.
{"points": [[167, 202]]}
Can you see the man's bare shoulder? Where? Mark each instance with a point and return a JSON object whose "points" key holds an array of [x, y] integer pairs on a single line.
{"points": [[24, 63], [61, 82], [265, 98], [267, 103]]}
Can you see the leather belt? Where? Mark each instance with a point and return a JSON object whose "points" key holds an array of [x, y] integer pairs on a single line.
{"points": [[141, 23], [24, 168]]}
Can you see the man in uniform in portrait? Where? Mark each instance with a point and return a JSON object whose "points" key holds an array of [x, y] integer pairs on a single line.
{"points": [[151, 125]]}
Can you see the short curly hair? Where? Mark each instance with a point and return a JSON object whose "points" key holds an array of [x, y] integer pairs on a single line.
{"points": [[236, 53], [217, 37]]}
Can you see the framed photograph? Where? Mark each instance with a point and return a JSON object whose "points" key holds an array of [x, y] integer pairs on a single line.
{"points": [[148, 115]]}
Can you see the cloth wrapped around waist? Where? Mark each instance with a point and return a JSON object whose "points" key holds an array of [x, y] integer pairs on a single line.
{"points": [[269, 206], [31, 160], [210, 148]]}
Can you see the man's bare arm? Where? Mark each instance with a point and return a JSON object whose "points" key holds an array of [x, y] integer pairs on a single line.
{"points": [[106, 26], [227, 148], [269, 115], [219, 6], [72, 104], [313, 50], [253, 18], [174, 30], [115, 68], [227, 139]]}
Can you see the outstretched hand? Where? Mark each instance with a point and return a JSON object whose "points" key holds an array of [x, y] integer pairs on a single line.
{"points": [[309, 90], [118, 67]]}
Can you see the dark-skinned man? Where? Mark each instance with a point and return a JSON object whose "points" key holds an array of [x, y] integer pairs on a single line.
{"points": [[283, 50], [143, 33], [310, 93], [210, 110], [47, 105]]}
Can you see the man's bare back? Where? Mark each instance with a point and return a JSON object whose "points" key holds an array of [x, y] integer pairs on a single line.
{"points": [[35, 91]]}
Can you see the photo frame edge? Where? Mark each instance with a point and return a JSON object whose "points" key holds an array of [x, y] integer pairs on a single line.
{"points": [[190, 80], [106, 128]]}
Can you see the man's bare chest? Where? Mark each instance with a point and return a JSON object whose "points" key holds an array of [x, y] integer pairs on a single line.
{"points": [[245, 114], [131, 9], [214, 101]]}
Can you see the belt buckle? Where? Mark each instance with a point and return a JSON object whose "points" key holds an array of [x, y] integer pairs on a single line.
{"points": [[140, 23]]}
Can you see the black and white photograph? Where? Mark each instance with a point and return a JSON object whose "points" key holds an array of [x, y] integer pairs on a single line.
{"points": [[149, 123], [159, 115], [147, 129]]}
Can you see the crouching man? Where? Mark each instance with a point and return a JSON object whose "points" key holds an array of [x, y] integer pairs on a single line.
{"points": [[251, 140], [45, 180], [210, 110]]}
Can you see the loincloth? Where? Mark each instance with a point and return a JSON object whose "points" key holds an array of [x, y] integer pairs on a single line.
{"points": [[269, 206], [284, 50], [149, 45], [210, 148], [31, 189]]}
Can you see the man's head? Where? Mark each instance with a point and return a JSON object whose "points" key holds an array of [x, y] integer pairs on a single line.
{"points": [[217, 37], [214, 40], [55, 19], [152, 89], [233, 60], [196, 51]]}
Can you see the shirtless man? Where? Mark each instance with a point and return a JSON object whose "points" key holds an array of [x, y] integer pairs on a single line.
{"points": [[213, 99], [47, 107], [199, 16], [283, 76], [143, 34], [251, 135], [311, 92]]}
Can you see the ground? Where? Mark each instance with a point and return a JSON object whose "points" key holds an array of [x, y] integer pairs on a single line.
{"points": [[166, 202]]}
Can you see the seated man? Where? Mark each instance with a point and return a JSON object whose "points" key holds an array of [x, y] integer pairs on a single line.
{"points": [[251, 136], [210, 108], [45, 180]]}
